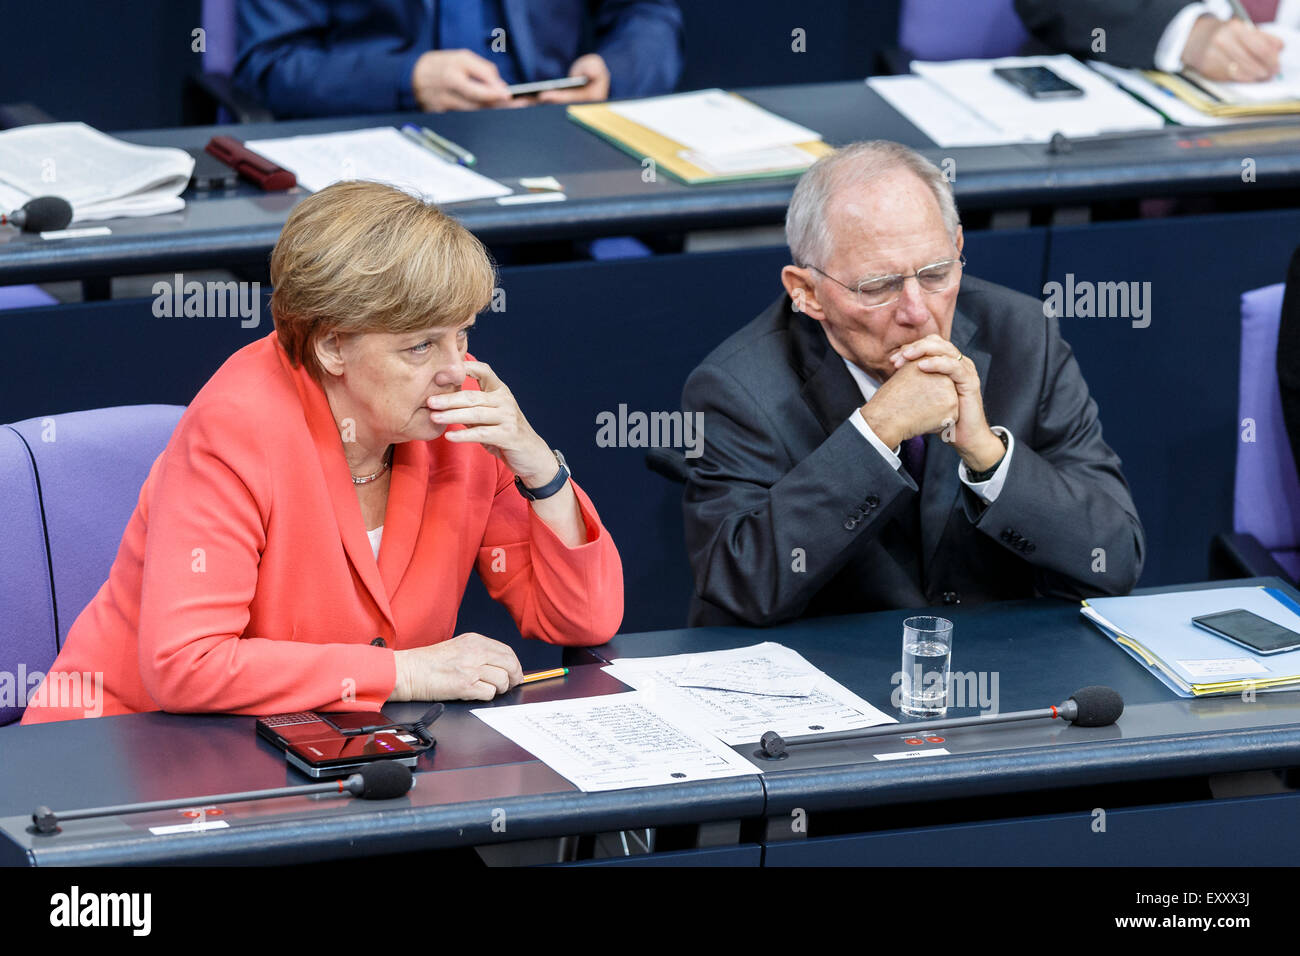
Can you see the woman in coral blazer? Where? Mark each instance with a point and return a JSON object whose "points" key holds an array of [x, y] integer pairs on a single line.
{"points": [[254, 577]]}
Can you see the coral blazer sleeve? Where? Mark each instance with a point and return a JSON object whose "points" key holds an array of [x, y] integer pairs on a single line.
{"points": [[246, 583]]}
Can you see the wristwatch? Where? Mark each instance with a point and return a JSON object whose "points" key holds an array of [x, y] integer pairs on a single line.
{"points": [[975, 477], [551, 487]]}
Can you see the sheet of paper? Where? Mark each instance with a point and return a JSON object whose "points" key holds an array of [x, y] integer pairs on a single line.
{"points": [[772, 670], [614, 741], [1184, 114], [739, 718], [1222, 668], [1017, 118], [714, 122], [382, 155], [752, 161], [102, 177], [948, 122]]}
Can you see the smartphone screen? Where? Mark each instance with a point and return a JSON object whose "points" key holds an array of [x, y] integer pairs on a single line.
{"points": [[563, 83], [1249, 630], [1038, 82], [352, 722]]}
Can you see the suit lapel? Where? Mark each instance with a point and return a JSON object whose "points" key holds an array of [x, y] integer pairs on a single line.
{"points": [[942, 486], [828, 386], [520, 36]]}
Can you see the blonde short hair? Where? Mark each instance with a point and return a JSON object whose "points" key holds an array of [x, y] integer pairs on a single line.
{"points": [[366, 257]]}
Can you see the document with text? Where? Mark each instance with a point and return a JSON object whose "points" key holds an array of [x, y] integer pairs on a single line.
{"points": [[615, 741], [738, 717], [383, 155]]}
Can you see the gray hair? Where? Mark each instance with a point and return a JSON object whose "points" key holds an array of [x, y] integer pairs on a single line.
{"points": [[805, 221]]}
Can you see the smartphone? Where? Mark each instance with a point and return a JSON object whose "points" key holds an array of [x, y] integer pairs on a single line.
{"points": [[211, 173], [1038, 82], [352, 722], [1249, 630], [564, 83], [319, 748]]}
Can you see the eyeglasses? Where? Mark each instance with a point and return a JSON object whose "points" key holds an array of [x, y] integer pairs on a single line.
{"points": [[878, 291]]}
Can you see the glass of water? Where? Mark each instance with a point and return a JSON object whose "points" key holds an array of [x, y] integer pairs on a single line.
{"points": [[927, 663]]}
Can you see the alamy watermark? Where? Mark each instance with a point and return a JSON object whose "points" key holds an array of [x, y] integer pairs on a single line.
{"points": [[1101, 300], [64, 689], [964, 689], [624, 429], [176, 298]]}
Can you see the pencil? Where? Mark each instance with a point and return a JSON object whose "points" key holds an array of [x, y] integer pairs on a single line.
{"points": [[544, 675]]}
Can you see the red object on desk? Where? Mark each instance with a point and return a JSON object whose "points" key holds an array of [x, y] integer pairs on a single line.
{"points": [[254, 168]]}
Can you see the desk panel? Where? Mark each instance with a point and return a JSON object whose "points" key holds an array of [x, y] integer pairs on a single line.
{"points": [[608, 196], [1245, 832]]}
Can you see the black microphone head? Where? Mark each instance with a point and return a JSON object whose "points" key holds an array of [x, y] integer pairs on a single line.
{"points": [[384, 780], [1098, 706], [46, 214]]}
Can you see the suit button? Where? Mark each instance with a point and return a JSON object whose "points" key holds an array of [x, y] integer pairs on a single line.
{"points": [[850, 523], [873, 501], [951, 597], [1030, 548], [1006, 534], [378, 642]]}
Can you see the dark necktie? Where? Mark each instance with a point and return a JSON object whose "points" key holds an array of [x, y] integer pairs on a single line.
{"points": [[912, 453], [1261, 11]]}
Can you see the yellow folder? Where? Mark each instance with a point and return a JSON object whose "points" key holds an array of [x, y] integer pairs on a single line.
{"points": [[637, 140]]}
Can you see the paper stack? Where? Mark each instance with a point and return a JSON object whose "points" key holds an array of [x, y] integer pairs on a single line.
{"points": [[708, 136], [102, 177], [1157, 631]]}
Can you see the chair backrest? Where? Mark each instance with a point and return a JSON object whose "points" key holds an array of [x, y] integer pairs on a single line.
{"points": [[76, 479], [24, 297], [976, 29], [29, 638], [1266, 497], [219, 36]]}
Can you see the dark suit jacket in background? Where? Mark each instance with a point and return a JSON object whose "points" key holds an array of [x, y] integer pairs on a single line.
{"points": [[332, 58], [791, 512], [1133, 27]]}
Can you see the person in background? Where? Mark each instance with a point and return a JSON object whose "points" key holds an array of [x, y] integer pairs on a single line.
{"points": [[327, 58], [1167, 35]]}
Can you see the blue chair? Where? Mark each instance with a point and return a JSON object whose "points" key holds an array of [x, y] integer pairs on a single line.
{"points": [[1266, 494], [24, 297], [72, 482], [970, 29]]}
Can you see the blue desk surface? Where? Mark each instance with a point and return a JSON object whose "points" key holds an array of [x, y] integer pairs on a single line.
{"points": [[608, 196], [1040, 650]]}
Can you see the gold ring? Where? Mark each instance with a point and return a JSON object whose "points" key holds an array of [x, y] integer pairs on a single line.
{"points": [[1232, 68]]}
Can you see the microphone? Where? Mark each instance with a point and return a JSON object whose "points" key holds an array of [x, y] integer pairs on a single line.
{"points": [[1094, 706], [382, 780], [42, 214]]}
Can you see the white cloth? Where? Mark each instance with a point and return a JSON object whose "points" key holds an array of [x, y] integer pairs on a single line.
{"points": [[375, 537], [987, 491]]}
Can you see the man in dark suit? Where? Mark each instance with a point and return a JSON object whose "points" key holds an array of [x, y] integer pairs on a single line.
{"points": [[323, 57], [1163, 34], [890, 433]]}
